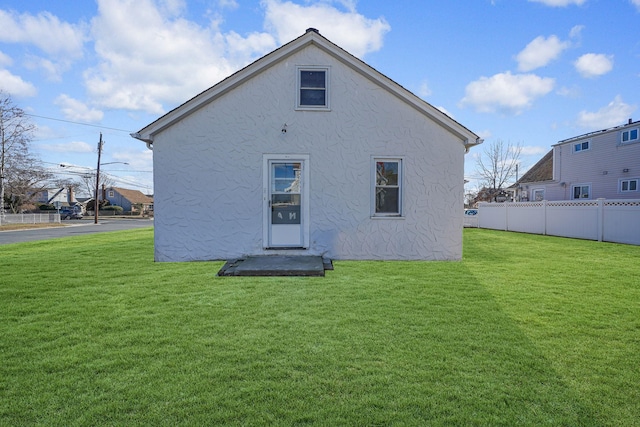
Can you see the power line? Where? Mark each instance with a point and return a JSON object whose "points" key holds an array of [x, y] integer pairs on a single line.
{"points": [[78, 123]]}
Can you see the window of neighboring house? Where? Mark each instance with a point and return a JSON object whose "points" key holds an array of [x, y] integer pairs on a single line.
{"points": [[581, 191], [387, 187], [112, 193], [629, 185], [630, 135], [537, 195], [581, 146], [313, 88]]}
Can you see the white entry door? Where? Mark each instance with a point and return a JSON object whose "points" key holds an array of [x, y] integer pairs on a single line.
{"points": [[286, 212]]}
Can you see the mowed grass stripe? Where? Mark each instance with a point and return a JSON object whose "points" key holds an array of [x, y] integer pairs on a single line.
{"points": [[93, 332]]}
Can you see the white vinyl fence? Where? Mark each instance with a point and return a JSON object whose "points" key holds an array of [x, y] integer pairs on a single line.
{"points": [[471, 218], [601, 219], [38, 218]]}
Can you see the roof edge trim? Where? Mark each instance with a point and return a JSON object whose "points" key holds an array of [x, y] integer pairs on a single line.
{"points": [[467, 137]]}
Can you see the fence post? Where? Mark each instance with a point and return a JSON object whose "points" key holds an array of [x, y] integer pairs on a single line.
{"points": [[600, 221], [544, 217], [506, 216]]}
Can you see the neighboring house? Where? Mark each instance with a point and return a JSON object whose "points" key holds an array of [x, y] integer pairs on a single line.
{"points": [[308, 150], [133, 201], [602, 164], [50, 196]]}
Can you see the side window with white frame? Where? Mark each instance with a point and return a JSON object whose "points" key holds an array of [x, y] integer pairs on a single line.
{"points": [[387, 187], [628, 185], [581, 191], [537, 195], [581, 146], [112, 193], [313, 88], [628, 136]]}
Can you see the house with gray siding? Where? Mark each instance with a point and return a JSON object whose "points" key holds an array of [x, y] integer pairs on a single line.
{"points": [[133, 201], [602, 164], [308, 151]]}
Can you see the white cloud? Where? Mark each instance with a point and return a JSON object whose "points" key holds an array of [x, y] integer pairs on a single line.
{"points": [[506, 92], [539, 52], [15, 86], [532, 150], [141, 160], [592, 65], [169, 58], [60, 41], [569, 92], [68, 147], [350, 30], [166, 60], [613, 114], [444, 110], [78, 111], [53, 70], [485, 134], [44, 30], [576, 31], [172, 7], [424, 90], [228, 4], [5, 60], [559, 3], [636, 3], [241, 48]]}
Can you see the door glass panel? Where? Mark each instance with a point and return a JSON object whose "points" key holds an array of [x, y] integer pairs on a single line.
{"points": [[285, 193]]}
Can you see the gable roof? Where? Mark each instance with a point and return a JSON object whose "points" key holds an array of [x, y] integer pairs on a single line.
{"points": [[311, 37], [133, 196], [541, 171], [630, 123]]}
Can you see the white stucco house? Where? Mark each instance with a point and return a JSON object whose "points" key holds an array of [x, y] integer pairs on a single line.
{"points": [[308, 151]]}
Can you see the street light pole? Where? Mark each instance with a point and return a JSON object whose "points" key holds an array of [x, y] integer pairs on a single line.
{"points": [[96, 205]]}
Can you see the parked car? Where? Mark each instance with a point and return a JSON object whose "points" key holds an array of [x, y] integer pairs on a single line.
{"points": [[70, 214]]}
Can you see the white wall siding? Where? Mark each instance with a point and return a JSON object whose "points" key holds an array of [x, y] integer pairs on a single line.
{"points": [[208, 171], [602, 166]]}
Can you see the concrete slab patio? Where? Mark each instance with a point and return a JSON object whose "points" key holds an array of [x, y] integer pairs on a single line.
{"points": [[276, 265]]}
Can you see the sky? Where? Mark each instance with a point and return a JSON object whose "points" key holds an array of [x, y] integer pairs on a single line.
{"points": [[527, 72]]}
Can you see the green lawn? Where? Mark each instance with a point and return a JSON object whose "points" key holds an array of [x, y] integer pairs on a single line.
{"points": [[526, 330]]}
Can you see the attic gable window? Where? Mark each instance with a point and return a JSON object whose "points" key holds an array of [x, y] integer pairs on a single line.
{"points": [[581, 146], [313, 88], [630, 135]]}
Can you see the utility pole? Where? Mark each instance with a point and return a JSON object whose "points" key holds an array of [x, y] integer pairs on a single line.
{"points": [[96, 205]]}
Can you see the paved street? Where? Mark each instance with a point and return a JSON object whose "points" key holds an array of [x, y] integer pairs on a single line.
{"points": [[73, 228]]}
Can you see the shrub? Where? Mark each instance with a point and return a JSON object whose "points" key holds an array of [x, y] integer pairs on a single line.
{"points": [[115, 208]]}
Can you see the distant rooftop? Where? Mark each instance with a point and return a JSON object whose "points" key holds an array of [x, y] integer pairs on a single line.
{"points": [[597, 132], [541, 171]]}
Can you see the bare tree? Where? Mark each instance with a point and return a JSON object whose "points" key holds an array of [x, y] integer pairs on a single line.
{"points": [[25, 178], [88, 182], [497, 165], [15, 134]]}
